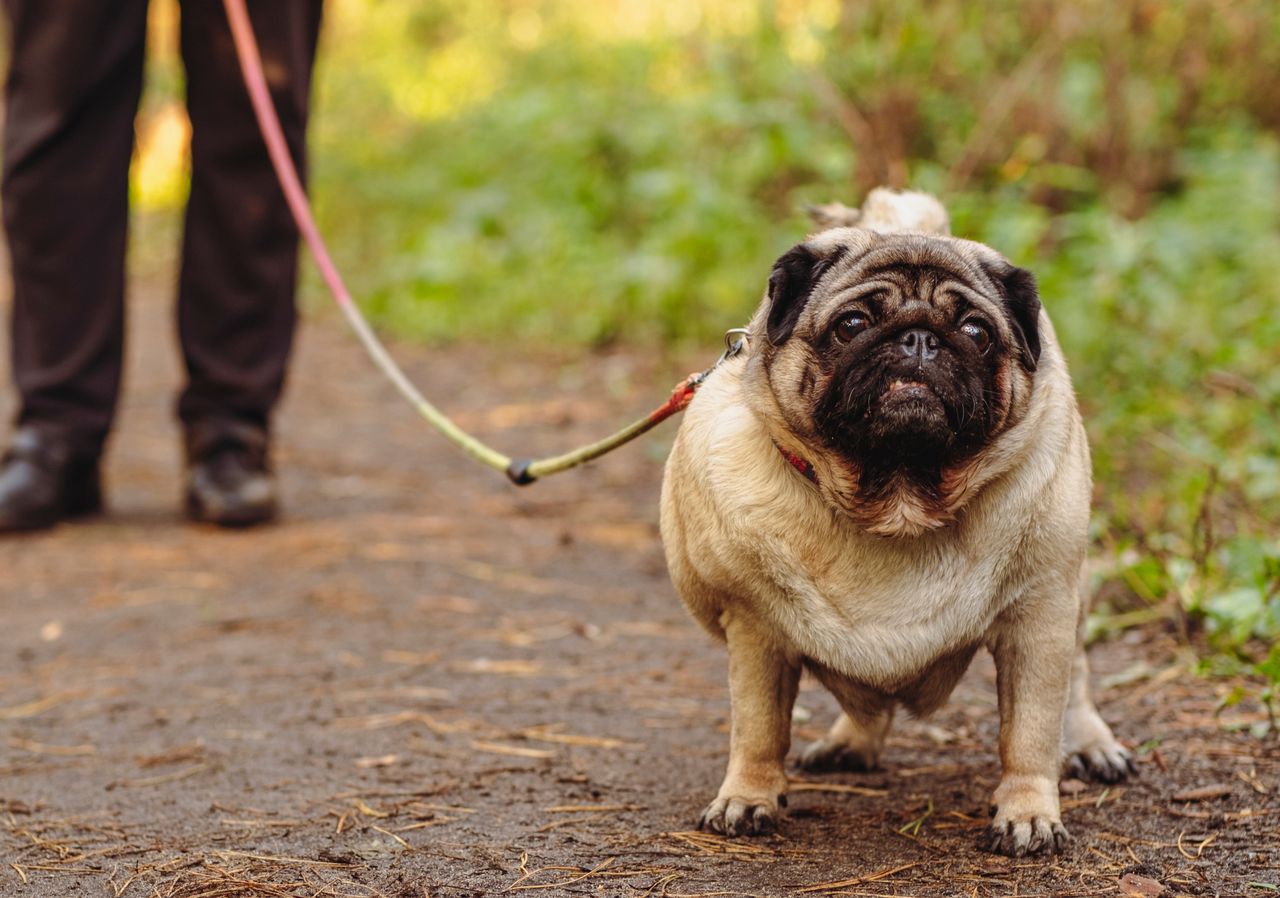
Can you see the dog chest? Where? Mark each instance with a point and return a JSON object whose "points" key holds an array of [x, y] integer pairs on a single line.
{"points": [[883, 613]]}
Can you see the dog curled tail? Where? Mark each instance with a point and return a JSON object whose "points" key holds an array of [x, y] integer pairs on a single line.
{"points": [[886, 210]]}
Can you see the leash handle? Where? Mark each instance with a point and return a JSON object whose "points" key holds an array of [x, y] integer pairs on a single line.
{"points": [[519, 471]]}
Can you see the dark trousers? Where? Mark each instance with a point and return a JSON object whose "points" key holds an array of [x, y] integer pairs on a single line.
{"points": [[74, 82]]}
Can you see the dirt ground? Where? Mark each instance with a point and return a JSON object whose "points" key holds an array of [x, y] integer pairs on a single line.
{"points": [[425, 682]]}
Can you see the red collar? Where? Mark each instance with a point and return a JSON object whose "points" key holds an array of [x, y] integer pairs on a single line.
{"points": [[800, 464]]}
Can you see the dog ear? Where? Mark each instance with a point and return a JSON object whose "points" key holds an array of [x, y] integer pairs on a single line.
{"points": [[1022, 302], [790, 284]]}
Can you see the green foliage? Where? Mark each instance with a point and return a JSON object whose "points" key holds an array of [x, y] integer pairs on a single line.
{"points": [[585, 173], [579, 203]]}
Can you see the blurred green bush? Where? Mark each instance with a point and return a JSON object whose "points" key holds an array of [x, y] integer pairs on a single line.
{"points": [[590, 169]]}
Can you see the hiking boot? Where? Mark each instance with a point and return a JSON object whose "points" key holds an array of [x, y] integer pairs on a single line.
{"points": [[229, 478], [44, 480]]}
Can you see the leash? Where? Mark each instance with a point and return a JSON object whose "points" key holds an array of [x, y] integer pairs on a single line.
{"points": [[520, 471]]}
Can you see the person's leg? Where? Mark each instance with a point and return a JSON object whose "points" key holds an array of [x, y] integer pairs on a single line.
{"points": [[236, 312], [239, 262], [75, 76]]}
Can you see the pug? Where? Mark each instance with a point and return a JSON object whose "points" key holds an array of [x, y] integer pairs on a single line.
{"points": [[889, 476]]}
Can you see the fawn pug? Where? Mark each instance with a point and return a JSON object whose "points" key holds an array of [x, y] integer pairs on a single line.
{"points": [[892, 475]]}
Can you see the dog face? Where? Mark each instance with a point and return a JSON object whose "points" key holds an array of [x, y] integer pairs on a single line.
{"points": [[900, 359]]}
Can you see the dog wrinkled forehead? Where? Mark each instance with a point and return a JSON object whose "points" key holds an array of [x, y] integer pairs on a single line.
{"points": [[842, 257], [908, 255]]}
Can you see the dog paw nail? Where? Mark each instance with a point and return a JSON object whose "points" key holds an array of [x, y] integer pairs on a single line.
{"points": [[763, 822]]}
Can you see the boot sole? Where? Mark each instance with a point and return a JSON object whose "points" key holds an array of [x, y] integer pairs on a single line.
{"points": [[237, 519], [30, 523], [84, 503]]}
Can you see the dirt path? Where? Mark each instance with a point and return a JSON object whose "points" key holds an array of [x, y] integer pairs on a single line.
{"points": [[427, 683]]}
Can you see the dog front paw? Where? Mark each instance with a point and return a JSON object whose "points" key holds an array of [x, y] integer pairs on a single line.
{"points": [[1027, 817], [741, 816], [1020, 837]]}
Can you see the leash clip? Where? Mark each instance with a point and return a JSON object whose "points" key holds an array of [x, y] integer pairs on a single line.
{"points": [[735, 341]]}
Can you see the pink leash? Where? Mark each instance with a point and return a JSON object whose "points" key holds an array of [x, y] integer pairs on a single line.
{"points": [[520, 470]]}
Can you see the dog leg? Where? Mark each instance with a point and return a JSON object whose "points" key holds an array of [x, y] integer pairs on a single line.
{"points": [[762, 688], [849, 744], [856, 739], [1089, 748], [1033, 653]]}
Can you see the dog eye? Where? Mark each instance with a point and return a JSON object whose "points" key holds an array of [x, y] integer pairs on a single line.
{"points": [[978, 333], [851, 325]]}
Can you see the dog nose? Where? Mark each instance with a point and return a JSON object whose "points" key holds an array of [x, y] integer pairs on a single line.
{"points": [[919, 344]]}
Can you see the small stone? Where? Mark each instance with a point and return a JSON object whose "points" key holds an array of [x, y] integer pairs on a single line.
{"points": [[939, 735], [1072, 787], [380, 761], [1134, 886]]}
